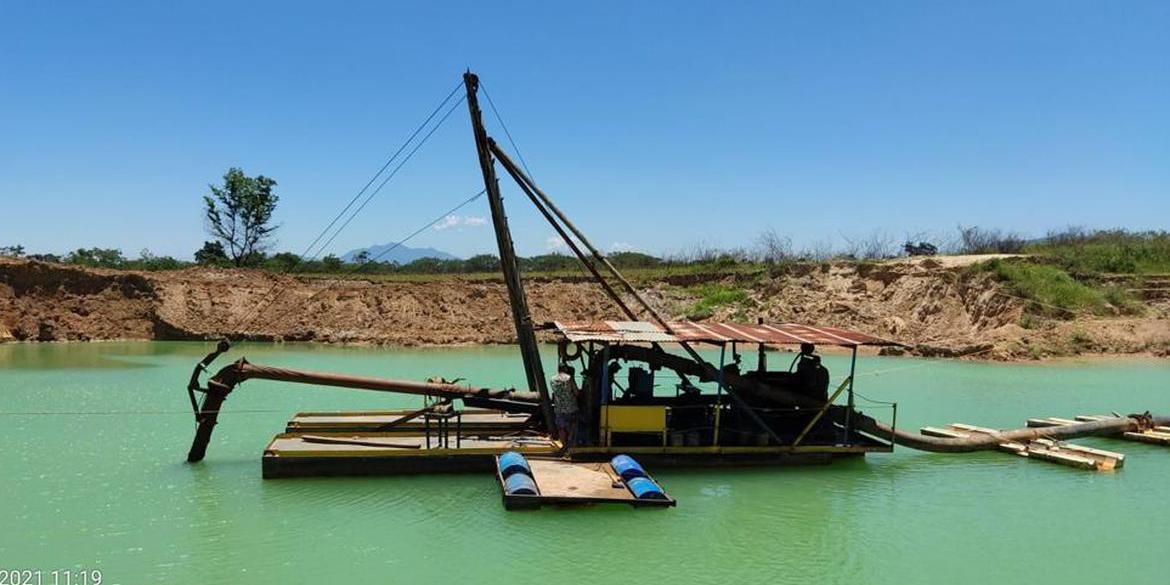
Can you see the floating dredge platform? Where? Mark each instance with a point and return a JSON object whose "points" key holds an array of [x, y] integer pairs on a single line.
{"points": [[349, 443], [642, 389]]}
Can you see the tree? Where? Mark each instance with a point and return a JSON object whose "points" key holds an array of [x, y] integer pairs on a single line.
{"points": [[331, 263], [211, 254], [482, 263], [239, 213], [96, 257], [15, 251], [283, 262]]}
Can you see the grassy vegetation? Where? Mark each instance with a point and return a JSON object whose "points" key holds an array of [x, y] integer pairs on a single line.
{"points": [[1054, 292], [1063, 273], [1107, 251], [713, 296], [1079, 252]]}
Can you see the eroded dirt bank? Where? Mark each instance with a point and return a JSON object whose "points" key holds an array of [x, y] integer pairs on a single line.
{"points": [[938, 309]]}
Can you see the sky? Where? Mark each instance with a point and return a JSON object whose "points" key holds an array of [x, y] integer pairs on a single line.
{"points": [[657, 126]]}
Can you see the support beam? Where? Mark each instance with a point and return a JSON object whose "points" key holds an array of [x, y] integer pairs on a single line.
{"points": [[514, 171], [522, 319]]}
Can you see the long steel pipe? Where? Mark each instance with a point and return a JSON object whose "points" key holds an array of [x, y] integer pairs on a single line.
{"points": [[242, 370], [226, 379], [984, 442]]}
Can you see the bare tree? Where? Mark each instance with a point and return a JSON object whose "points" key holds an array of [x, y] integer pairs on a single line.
{"points": [[773, 248], [977, 240], [877, 245]]}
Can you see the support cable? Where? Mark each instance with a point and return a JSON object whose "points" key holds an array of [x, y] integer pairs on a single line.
{"points": [[500, 119], [392, 174], [268, 298], [358, 267], [385, 166]]}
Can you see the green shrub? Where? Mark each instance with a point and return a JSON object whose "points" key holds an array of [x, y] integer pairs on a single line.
{"points": [[712, 296], [1051, 289], [1111, 251]]}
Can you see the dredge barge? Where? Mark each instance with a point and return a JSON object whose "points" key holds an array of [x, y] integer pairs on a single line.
{"points": [[645, 390]]}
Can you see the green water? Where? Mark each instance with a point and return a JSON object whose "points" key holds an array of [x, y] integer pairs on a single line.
{"points": [[112, 492]]}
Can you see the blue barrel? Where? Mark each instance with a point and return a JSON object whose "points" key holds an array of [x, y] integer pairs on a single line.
{"points": [[626, 467], [520, 484], [512, 463], [644, 488]]}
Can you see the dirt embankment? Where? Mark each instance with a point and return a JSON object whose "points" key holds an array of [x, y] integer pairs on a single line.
{"points": [[936, 308]]}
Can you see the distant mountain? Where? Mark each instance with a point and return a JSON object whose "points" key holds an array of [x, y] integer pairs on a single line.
{"points": [[401, 254]]}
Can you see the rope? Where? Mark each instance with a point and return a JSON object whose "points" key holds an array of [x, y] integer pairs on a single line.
{"points": [[421, 229], [128, 412], [500, 119], [358, 267], [301, 258], [267, 300], [393, 173], [381, 170]]}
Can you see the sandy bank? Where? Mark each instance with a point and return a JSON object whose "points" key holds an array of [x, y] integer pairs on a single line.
{"points": [[936, 307]]}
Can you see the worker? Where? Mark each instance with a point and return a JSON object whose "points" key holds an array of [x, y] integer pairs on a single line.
{"points": [[564, 391], [813, 377]]}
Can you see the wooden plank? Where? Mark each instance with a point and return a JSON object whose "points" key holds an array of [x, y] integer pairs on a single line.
{"points": [[357, 441], [1050, 421], [1068, 454], [1151, 437], [1094, 417], [945, 433], [974, 429], [1091, 452], [1014, 448], [1058, 456], [1043, 422]]}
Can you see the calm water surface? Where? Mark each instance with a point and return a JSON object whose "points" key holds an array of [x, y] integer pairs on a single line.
{"points": [[111, 491]]}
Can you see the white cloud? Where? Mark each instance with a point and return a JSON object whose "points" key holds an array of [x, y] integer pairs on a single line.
{"points": [[555, 244], [622, 247], [458, 221]]}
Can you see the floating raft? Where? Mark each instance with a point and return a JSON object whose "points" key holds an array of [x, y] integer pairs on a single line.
{"points": [[562, 482], [1154, 436], [1063, 453]]}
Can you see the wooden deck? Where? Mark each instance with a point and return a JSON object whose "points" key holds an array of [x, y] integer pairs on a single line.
{"points": [[344, 443], [303, 454]]}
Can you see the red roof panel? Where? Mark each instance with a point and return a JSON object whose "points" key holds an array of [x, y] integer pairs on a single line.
{"points": [[691, 331]]}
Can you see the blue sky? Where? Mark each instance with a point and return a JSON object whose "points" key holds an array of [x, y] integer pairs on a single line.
{"points": [[656, 125]]}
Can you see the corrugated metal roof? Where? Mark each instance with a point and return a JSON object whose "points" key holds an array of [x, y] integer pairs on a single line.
{"points": [[771, 334]]}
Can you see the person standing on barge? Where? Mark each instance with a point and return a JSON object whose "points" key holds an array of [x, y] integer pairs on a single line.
{"points": [[565, 395]]}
